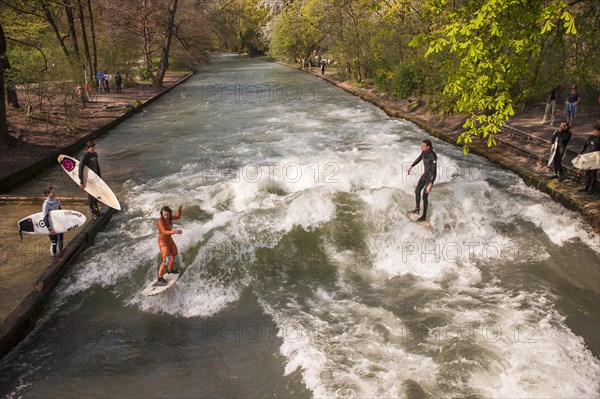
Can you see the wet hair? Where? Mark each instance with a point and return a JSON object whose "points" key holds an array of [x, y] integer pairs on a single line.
{"points": [[166, 208], [47, 190], [428, 142]]}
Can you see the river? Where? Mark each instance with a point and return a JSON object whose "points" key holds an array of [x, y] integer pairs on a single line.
{"points": [[301, 272]]}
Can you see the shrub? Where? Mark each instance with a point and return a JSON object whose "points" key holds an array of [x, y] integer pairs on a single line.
{"points": [[407, 81]]}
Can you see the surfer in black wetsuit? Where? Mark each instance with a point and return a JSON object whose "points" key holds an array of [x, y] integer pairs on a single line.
{"points": [[591, 145], [425, 184], [90, 159], [561, 137]]}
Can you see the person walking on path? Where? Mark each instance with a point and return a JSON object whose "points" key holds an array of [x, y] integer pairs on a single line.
{"points": [[429, 158], [591, 145], [90, 159], [560, 138], [168, 249], [551, 97], [571, 104], [52, 204]]}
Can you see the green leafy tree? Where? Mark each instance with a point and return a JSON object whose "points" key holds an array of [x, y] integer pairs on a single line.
{"points": [[487, 47], [238, 25], [293, 35]]}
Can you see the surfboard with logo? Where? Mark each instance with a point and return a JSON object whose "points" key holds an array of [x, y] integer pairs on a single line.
{"points": [[151, 289], [62, 220], [552, 153], [94, 185], [587, 161]]}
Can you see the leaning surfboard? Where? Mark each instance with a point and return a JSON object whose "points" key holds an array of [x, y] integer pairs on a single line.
{"points": [[94, 186], [552, 153], [62, 220], [151, 289], [587, 161]]}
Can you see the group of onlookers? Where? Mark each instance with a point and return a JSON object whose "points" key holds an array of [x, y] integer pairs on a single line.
{"points": [[562, 134], [104, 77]]}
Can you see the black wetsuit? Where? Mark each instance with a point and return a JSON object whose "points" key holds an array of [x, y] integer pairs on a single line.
{"points": [[562, 138], [90, 159], [591, 145], [429, 159]]}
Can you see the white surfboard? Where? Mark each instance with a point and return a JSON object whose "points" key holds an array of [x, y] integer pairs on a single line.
{"points": [[552, 153], [153, 290], [413, 217], [94, 185], [588, 161], [62, 220]]}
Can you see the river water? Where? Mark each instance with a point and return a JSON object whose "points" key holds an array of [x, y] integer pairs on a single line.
{"points": [[302, 275]]}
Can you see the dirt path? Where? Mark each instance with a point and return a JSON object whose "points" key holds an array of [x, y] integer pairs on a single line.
{"points": [[44, 134]]}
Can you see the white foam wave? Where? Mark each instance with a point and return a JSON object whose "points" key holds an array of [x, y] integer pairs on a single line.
{"points": [[347, 349]]}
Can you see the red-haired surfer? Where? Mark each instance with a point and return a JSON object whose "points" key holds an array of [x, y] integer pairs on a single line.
{"points": [[167, 246]]}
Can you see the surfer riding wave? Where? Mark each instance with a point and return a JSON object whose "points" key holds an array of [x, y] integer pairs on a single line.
{"points": [[168, 249], [429, 158]]}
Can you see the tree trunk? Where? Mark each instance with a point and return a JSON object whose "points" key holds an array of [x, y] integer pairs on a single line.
{"points": [[11, 93], [52, 23], [164, 58], [72, 31], [147, 40], [86, 47], [5, 138], [93, 34]]}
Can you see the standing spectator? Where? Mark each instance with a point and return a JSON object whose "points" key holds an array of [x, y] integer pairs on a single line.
{"points": [[88, 91], [106, 79], [80, 96], [322, 67], [560, 138], [591, 145], [571, 104], [100, 77], [118, 82], [551, 97]]}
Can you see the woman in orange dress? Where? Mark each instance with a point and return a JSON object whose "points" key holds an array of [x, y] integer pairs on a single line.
{"points": [[167, 246]]}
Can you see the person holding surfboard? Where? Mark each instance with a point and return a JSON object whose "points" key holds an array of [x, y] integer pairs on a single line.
{"points": [[560, 139], [168, 249], [429, 158], [591, 145], [52, 204], [90, 159]]}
